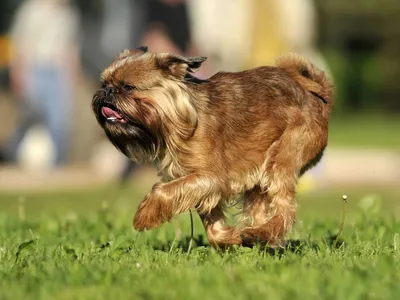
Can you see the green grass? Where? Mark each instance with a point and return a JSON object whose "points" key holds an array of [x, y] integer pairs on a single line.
{"points": [[365, 131], [80, 245]]}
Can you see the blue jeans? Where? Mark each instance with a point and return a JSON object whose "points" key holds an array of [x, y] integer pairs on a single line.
{"points": [[46, 100]]}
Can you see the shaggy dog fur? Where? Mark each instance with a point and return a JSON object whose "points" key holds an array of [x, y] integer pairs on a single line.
{"points": [[250, 134]]}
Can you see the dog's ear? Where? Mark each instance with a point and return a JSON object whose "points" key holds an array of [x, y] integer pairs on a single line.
{"points": [[194, 63], [180, 66], [142, 49]]}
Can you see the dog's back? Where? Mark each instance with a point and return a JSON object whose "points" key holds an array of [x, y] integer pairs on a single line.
{"points": [[292, 73]]}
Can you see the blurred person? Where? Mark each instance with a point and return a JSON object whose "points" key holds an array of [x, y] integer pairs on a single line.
{"points": [[222, 32], [167, 26], [287, 26], [254, 33], [42, 71], [122, 25], [281, 26]]}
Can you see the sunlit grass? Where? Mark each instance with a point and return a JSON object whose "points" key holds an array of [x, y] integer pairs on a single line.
{"points": [[81, 245], [365, 131]]}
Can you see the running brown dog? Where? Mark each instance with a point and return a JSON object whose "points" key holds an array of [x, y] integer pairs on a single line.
{"points": [[250, 134]]}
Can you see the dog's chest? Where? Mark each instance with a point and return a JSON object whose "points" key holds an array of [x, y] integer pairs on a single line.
{"points": [[170, 168], [247, 182]]}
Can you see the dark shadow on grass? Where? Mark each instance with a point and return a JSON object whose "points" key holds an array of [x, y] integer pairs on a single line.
{"points": [[183, 244], [301, 246], [291, 246]]}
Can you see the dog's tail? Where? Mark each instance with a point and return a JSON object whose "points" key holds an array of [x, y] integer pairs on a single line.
{"points": [[308, 76]]}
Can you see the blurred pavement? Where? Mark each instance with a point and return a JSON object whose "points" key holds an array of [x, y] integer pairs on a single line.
{"points": [[340, 167], [362, 167]]}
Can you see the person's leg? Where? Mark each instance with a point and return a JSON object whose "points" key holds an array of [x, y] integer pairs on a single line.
{"points": [[129, 167], [58, 112]]}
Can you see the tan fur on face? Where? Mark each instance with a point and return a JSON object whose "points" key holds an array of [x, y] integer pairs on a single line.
{"points": [[251, 133]]}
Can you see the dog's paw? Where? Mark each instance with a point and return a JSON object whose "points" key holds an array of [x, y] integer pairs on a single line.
{"points": [[249, 237], [144, 220], [258, 236], [152, 213]]}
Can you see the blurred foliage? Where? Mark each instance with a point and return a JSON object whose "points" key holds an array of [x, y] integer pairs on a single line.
{"points": [[361, 41], [364, 131]]}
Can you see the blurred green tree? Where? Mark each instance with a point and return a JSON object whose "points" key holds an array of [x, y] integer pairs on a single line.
{"points": [[361, 39]]}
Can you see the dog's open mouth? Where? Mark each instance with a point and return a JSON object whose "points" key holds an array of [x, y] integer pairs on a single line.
{"points": [[112, 115]]}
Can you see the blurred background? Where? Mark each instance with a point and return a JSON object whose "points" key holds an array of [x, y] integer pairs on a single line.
{"points": [[52, 52]]}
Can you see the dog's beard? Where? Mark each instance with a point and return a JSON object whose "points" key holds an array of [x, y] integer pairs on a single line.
{"points": [[147, 128], [129, 125]]}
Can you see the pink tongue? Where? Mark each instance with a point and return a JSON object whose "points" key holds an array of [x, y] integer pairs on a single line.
{"points": [[110, 113]]}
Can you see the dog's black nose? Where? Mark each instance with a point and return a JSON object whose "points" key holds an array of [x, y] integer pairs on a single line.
{"points": [[109, 90]]}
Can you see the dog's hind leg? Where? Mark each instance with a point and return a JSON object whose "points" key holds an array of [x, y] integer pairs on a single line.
{"points": [[269, 216], [220, 235], [255, 208], [272, 210]]}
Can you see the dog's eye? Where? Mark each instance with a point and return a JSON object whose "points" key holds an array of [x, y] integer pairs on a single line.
{"points": [[104, 84], [128, 87]]}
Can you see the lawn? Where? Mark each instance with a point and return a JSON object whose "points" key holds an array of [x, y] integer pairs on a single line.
{"points": [[365, 131], [80, 245]]}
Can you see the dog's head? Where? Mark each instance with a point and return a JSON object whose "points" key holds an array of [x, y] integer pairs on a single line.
{"points": [[144, 101]]}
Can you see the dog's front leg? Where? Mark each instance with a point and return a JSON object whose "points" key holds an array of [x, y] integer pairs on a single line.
{"points": [[168, 199]]}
